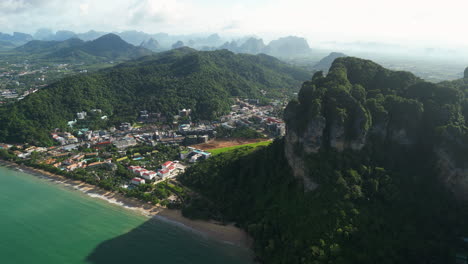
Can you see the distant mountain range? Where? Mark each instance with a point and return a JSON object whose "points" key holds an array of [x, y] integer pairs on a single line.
{"points": [[151, 44], [107, 47], [325, 63], [286, 47], [16, 39], [283, 47], [5, 45]]}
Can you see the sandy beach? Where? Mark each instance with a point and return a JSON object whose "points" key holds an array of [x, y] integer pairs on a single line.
{"points": [[224, 233]]}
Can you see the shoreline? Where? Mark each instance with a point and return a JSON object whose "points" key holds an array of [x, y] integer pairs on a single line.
{"points": [[224, 233]]}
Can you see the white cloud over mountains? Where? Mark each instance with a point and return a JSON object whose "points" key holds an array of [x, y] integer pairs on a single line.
{"points": [[367, 20]]}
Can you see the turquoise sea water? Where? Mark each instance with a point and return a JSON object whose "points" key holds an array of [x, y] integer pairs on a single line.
{"points": [[45, 222]]}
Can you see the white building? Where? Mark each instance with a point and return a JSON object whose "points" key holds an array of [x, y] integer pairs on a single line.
{"points": [[125, 142], [164, 173], [138, 181], [195, 158], [149, 175], [81, 115], [167, 164]]}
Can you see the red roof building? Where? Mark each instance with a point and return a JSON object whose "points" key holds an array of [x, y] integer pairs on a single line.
{"points": [[167, 164]]}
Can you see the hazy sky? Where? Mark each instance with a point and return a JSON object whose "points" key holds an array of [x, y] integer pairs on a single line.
{"points": [[342, 20]]}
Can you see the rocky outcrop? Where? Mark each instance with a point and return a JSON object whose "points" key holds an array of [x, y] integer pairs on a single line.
{"points": [[178, 44], [252, 46], [288, 47], [325, 63], [302, 142], [151, 44], [359, 103], [360, 130], [231, 46], [454, 177], [337, 135]]}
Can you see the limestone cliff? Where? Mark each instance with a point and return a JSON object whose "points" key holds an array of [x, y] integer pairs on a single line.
{"points": [[454, 177], [359, 103]]}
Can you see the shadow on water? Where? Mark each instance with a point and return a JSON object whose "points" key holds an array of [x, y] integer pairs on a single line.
{"points": [[157, 242]]}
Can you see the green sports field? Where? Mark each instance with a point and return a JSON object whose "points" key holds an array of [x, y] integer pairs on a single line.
{"points": [[254, 145]]}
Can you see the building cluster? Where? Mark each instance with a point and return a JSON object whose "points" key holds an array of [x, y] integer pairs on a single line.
{"points": [[110, 145], [64, 138], [142, 172], [150, 117], [26, 153], [5, 146], [167, 171], [68, 162], [18, 80], [247, 113], [193, 155]]}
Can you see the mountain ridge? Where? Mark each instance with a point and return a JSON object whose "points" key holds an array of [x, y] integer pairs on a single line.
{"points": [[110, 47]]}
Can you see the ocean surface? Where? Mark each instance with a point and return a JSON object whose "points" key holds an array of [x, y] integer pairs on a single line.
{"points": [[42, 221]]}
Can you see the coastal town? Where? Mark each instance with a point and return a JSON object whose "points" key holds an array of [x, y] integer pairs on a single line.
{"points": [[20, 78], [143, 159]]}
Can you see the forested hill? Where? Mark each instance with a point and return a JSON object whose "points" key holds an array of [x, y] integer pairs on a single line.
{"points": [[107, 47], [373, 169], [184, 78]]}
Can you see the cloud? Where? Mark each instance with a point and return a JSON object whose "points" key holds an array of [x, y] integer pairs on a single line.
{"points": [[20, 6], [231, 26], [84, 9], [367, 20], [156, 11]]}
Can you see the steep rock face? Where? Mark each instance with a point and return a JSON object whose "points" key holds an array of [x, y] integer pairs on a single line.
{"points": [[17, 38], [359, 102], [231, 46], [288, 47], [360, 129], [64, 35], [252, 46], [151, 44], [452, 159], [454, 177], [401, 137], [178, 44], [337, 135], [311, 140], [296, 159], [325, 63]]}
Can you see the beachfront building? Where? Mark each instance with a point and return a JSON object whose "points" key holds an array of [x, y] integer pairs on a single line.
{"points": [[164, 173], [149, 175], [144, 173], [135, 169], [138, 181], [167, 164]]}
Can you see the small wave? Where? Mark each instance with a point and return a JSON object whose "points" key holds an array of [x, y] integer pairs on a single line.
{"points": [[114, 201], [178, 224]]}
